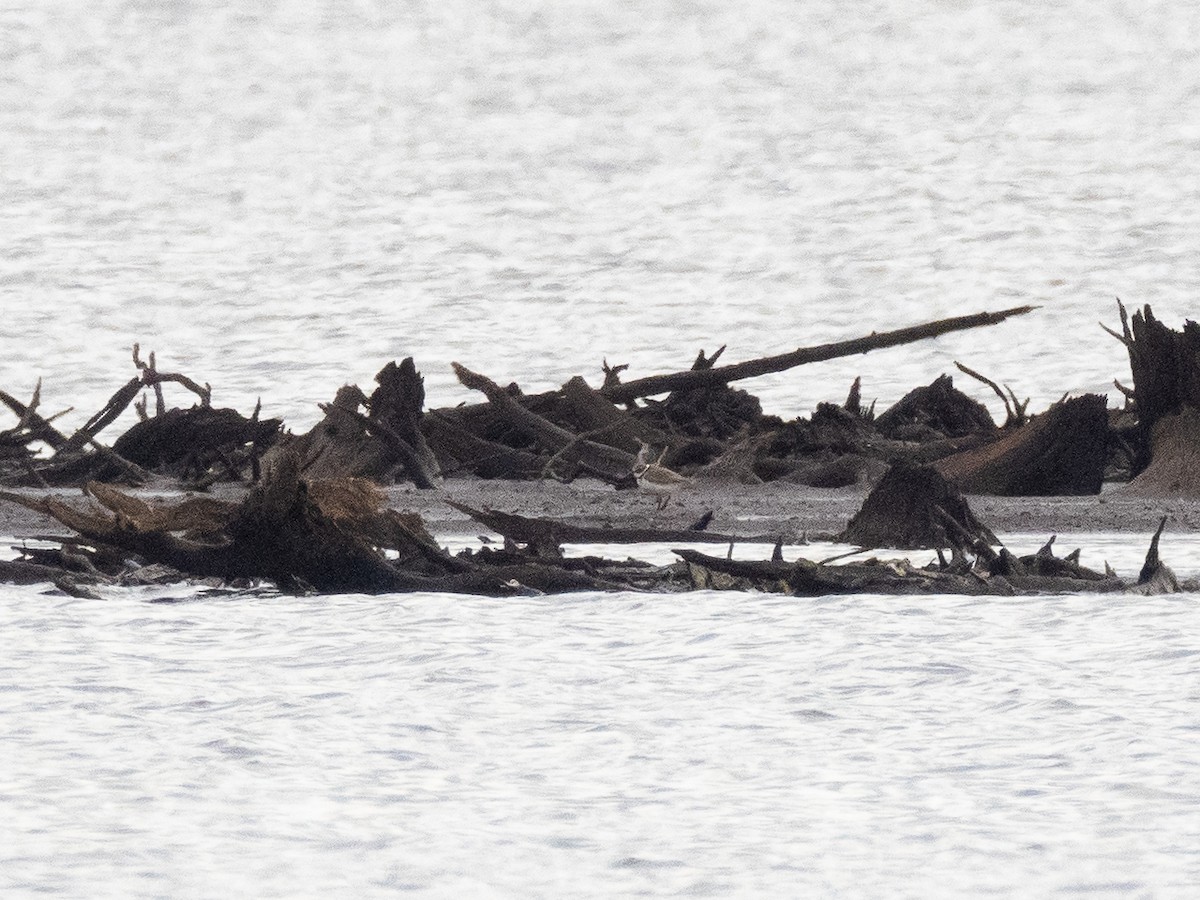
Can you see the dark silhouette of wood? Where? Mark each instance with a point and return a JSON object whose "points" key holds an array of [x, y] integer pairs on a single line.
{"points": [[302, 535], [805, 578], [721, 375], [396, 411], [37, 427], [1166, 382], [457, 448], [1014, 412], [938, 410], [614, 426], [908, 509], [190, 441], [1156, 577]]}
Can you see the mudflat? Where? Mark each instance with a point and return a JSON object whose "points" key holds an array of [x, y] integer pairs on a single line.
{"points": [[765, 510]]}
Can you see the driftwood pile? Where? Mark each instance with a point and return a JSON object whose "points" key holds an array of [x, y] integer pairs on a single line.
{"points": [[314, 519], [199, 445]]}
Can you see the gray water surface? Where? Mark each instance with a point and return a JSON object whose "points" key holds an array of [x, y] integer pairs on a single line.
{"points": [[706, 744], [281, 197]]}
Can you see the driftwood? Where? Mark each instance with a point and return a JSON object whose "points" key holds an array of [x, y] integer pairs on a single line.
{"points": [[458, 448], [301, 535], [999, 574], [183, 442], [711, 376], [329, 536], [189, 442], [545, 537], [939, 410], [613, 426]]}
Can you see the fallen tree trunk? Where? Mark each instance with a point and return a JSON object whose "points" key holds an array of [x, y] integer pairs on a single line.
{"points": [[546, 536], [722, 375], [614, 426], [458, 448], [991, 574]]}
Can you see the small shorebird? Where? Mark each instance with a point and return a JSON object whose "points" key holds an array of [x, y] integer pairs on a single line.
{"points": [[655, 478]]}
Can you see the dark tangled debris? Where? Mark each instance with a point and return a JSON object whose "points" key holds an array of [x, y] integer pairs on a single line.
{"points": [[314, 519]]}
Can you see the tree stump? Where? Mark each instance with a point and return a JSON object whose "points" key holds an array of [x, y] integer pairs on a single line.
{"points": [[1062, 452], [914, 507], [1166, 374]]}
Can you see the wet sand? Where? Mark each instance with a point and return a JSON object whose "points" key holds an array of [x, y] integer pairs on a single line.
{"points": [[790, 511]]}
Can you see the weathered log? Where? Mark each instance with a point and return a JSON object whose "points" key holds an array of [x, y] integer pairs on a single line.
{"points": [[909, 509], [546, 536], [301, 535], [379, 444], [721, 375], [39, 428], [111, 411], [805, 578], [1061, 452]]}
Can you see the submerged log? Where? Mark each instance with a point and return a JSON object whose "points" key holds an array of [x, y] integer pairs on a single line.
{"points": [[1060, 452], [915, 507], [989, 574]]}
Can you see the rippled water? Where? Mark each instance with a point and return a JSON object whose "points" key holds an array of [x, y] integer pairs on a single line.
{"points": [[707, 744], [280, 197]]}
